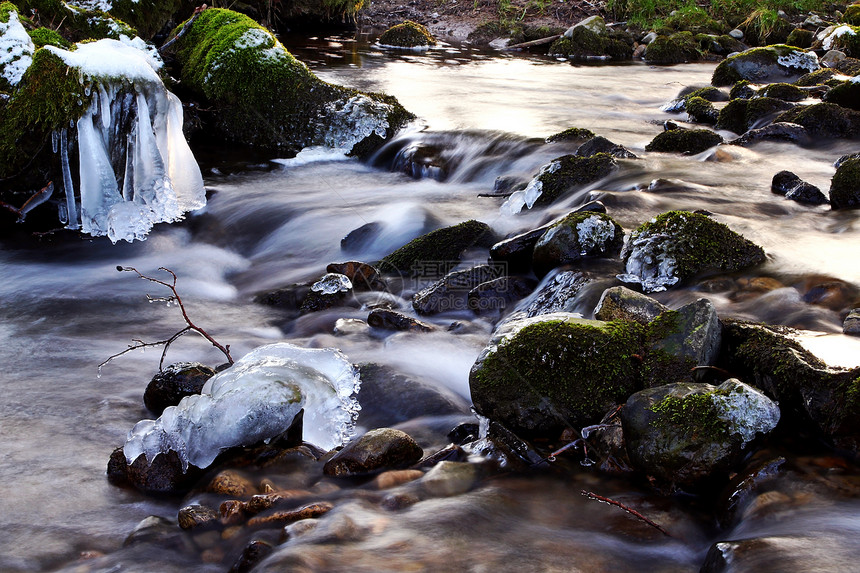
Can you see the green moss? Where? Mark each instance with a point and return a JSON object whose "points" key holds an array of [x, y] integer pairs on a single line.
{"points": [[783, 91], [573, 171], [849, 43], [148, 16], [48, 98], [692, 411], [816, 78], [845, 185], [571, 134], [739, 115], [46, 37], [742, 90], [555, 374], [708, 93], [674, 49], [824, 120], [852, 15], [700, 243], [764, 27], [800, 38], [77, 24], [746, 64], [694, 19], [409, 34], [691, 141], [701, 110], [845, 94], [6, 9], [442, 246]]}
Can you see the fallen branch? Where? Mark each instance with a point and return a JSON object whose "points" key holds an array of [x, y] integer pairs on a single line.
{"points": [[532, 43], [34, 201], [197, 12], [630, 510], [140, 344]]}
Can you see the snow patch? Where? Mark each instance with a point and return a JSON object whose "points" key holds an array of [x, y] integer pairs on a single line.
{"points": [[829, 35], [254, 400], [103, 5], [800, 60], [16, 50], [745, 409]]}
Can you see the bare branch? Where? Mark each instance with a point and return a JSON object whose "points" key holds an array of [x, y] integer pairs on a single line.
{"points": [[190, 326], [631, 511]]}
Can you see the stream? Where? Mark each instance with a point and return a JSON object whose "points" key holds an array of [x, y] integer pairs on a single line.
{"points": [[272, 222]]}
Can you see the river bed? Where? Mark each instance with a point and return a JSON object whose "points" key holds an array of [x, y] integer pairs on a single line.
{"points": [[279, 221]]}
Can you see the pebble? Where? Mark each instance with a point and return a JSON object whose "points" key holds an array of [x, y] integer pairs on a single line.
{"points": [[193, 516], [851, 325], [394, 478], [288, 516], [232, 483]]}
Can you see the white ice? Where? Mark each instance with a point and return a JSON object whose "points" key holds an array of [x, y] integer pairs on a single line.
{"points": [[594, 233], [16, 50], [332, 283], [160, 179], [256, 399], [649, 263]]}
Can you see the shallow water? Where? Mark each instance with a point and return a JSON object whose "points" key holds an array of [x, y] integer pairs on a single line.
{"points": [[64, 309]]}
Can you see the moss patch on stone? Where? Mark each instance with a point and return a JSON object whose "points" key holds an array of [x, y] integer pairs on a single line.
{"points": [[571, 134], [409, 34], [783, 91], [756, 64], [825, 120], [443, 246], [816, 78], [846, 94], [849, 43], [573, 171], [584, 42], [690, 141], [739, 115], [845, 186], [675, 49], [852, 15], [147, 16], [46, 37], [701, 110], [77, 24]]}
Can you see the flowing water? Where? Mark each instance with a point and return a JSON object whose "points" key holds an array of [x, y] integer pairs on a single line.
{"points": [[272, 222]]}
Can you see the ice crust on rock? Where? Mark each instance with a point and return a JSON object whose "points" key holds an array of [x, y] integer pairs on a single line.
{"points": [[745, 409], [527, 197], [346, 123], [650, 263], [256, 399], [594, 233], [136, 168], [799, 59], [16, 50], [332, 283]]}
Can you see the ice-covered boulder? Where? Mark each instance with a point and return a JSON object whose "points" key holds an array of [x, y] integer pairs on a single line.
{"points": [[254, 400], [767, 64], [265, 97]]}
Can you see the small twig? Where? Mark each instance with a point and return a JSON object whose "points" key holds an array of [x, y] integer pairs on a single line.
{"points": [[630, 510], [197, 12], [139, 344]]}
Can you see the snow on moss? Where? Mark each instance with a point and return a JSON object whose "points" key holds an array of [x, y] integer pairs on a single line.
{"points": [[16, 50]]}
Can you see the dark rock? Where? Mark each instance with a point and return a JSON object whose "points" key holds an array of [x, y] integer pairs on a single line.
{"points": [[811, 395], [384, 448], [825, 120], [540, 375], [742, 89], [674, 49], [288, 298], [800, 38], [851, 324], [845, 185], [568, 172], [783, 182], [621, 303], [599, 144], [252, 554], [779, 131], [838, 163], [174, 383], [280, 518], [739, 115], [496, 295], [591, 39], [463, 433], [783, 91], [163, 475], [393, 320], [689, 141], [687, 434], [198, 516], [576, 237], [409, 34], [360, 238], [701, 110], [558, 293], [678, 245], [571, 134], [451, 292], [156, 530], [807, 193], [363, 277], [332, 290], [742, 489], [763, 65], [442, 246], [504, 185]]}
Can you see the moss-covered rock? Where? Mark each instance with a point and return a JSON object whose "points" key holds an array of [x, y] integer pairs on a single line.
{"points": [[783, 91], [694, 19], [686, 435], [18, 48], [816, 78], [266, 98], [845, 185], [825, 120], [46, 37], [678, 245], [409, 34], [571, 134], [812, 396], [739, 115], [766, 27], [846, 94], [800, 38], [577, 236], [568, 172], [742, 89], [847, 41], [722, 45], [541, 375], [590, 38], [622, 303], [675, 49], [76, 24], [148, 17], [852, 15], [441, 247], [770, 63], [690, 141], [701, 110]]}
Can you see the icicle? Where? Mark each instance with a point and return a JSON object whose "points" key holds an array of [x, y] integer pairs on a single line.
{"points": [[105, 100], [54, 140], [98, 186], [68, 186], [152, 185], [182, 167], [128, 179]]}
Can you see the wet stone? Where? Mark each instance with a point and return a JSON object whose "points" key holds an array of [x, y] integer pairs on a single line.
{"points": [[783, 182], [252, 554], [232, 512], [851, 325], [232, 483], [363, 277], [622, 303], [197, 516], [360, 238], [451, 292], [450, 478], [496, 295], [395, 478], [384, 448], [284, 517], [558, 293], [348, 326], [174, 383], [393, 320]]}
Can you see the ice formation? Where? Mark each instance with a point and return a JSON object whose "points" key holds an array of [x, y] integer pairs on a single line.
{"points": [[136, 168], [650, 263], [349, 122], [745, 409], [594, 233], [332, 283], [829, 35], [801, 60], [256, 399], [527, 197], [16, 50]]}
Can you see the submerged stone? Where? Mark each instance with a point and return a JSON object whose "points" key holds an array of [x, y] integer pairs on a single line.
{"points": [[174, 383], [440, 248], [678, 245], [825, 120], [739, 115], [384, 448]]}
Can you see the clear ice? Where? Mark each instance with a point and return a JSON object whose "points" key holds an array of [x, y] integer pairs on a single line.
{"points": [[527, 197], [135, 167], [256, 399], [332, 283], [649, 263]]}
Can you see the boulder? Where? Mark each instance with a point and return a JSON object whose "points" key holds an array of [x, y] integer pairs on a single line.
{"points": [[266, 98], [851, 324], [381, 449], [845, 38], [590, 38], [497, 295], [690, 141], [741, 114], [409, 34], [794, 188], [440, 247], [779, 131], [701, 110], [824, 120], [621, 303], [450, 293], [393, 320], [767, 64], [174, 383], [576, 237], [783, 91], [783, 182], [846, 94], [599, 144], [677, 245], [674, 49], [571, 134], [540, 375], [812, 396], [687, 435], [845, 185]]}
